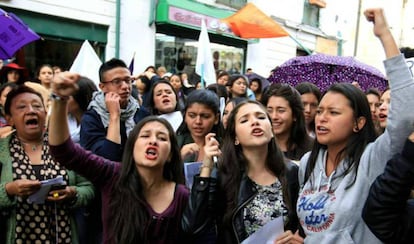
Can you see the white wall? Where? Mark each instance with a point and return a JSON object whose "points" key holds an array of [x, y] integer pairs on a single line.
{"points": [[289, 10], [136, 35], [343, 15], [339, 19], [263, 56], [407, 39], [95, 11], [370, 50]]}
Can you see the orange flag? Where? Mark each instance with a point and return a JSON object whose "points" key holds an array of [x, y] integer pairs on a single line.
{"points": [[251, 22]]}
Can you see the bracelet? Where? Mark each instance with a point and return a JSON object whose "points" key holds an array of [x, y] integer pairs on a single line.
{"points": [[206, 166], [56, 97]]}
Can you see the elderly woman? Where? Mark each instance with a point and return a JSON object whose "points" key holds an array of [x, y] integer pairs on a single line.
{"points": [[25, 161]]}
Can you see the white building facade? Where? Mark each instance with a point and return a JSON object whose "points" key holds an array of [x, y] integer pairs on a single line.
{"points": [[165, 32]]}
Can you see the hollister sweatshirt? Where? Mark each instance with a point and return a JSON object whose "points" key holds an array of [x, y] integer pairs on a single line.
{"points": [[329, 208]]}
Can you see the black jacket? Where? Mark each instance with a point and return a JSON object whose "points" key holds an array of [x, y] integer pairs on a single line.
{"points": [[206, 207], [388, 212]]}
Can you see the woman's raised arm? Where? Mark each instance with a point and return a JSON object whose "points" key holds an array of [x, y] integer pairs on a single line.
{"points": [[63, 86]]}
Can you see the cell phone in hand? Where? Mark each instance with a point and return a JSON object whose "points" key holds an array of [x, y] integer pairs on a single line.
{"points": [[57, 187]]}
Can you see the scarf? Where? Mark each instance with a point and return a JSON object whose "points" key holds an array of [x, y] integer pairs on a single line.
{"points": [[127, 115]]}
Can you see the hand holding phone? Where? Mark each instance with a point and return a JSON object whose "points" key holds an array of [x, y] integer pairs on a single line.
{"points": [[61, 193]]}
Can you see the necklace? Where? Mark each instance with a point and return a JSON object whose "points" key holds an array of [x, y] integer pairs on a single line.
{"points": [[33, 146]]}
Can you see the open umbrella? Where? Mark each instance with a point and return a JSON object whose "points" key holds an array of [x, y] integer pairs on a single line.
{"points": [[14, 34], [324, 70]]}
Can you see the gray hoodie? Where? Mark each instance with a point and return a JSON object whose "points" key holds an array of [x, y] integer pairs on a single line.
{"points": [[330, 213]]}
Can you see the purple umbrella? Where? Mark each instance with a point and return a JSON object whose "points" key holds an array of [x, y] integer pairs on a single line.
{"points": [[324, 70], [14, 34]]}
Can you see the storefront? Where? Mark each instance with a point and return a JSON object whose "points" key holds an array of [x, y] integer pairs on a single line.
{"points": [[61, 40], [178, 27]]}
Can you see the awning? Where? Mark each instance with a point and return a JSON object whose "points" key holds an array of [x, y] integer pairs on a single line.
{"points": [[183, 18]]}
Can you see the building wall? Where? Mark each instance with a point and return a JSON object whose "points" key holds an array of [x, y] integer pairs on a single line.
{"points": [[407, 39], [268, 53], [338, 18], [95, 11], [343, 15], [369, 49], [137, 36]]}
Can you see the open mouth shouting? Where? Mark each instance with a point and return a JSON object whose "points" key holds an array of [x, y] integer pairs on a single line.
{"points": [[382, 117], [151, 153], [257, 132], [320, 130], [166, 101], [32, 123]]}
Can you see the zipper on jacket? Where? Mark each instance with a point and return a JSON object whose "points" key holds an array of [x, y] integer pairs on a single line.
{"points": [[238, 209]]}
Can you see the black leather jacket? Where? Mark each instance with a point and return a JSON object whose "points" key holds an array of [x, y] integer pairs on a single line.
{"points": [[387, 212], [206, 207]]}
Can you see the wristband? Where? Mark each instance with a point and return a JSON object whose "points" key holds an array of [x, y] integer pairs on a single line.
{"points": [[206, 166], [56, 97]]}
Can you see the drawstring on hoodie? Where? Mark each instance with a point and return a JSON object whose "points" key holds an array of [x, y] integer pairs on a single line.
{"points": [[319, 181], [330, 180], [318, 188]]}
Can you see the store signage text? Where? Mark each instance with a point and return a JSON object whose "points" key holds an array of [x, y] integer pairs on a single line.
{"points": [[184, 16]]}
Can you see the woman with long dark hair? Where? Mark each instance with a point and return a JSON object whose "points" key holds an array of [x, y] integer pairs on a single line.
{"points": [[285, 108], [143, 197], [181, 90], [201, 116], [311, 96], [163, 102], [237, 86], [12, 72], [253, 183], [347, 156], [143, 85], [256, 87]]}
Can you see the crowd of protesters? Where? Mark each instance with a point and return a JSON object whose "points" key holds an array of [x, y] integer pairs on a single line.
{"points": [[316, 161]]}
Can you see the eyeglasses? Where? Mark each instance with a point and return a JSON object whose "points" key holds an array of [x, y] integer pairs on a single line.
{"points": [[119, 81]]}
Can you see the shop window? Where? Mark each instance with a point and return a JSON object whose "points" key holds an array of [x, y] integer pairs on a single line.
{"points": [[53, 51], [237, 4], [179, 55], [311, 14]]}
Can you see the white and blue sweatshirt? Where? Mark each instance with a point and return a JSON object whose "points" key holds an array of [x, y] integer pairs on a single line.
{"points": [[328, 211]]}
